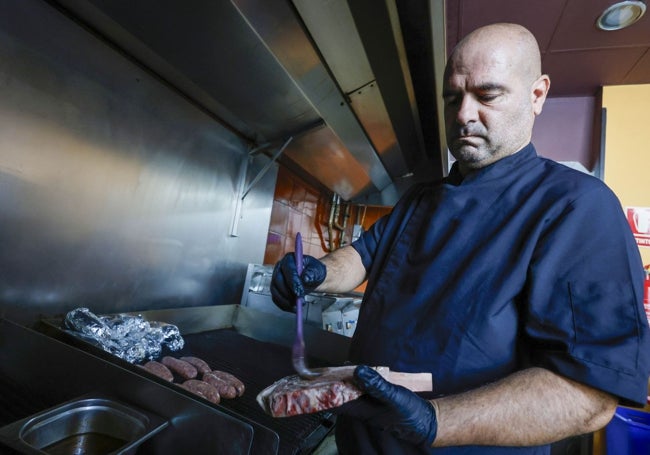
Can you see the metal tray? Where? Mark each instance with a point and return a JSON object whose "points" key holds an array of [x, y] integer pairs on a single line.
{"points": [[88, 425]]}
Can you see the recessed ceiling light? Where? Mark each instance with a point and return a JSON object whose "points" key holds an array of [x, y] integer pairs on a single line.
{"points": [[621, 15]]}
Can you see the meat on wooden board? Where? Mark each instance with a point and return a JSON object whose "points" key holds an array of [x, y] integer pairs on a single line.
{"points": [[293, 395]]}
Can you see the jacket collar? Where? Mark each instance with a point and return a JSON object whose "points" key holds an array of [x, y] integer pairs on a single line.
{"points": [[496, 170]]}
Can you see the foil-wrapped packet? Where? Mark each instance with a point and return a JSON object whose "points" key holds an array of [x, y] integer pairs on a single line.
{"points": [[129, 337], [169, 334], [82, 320]]}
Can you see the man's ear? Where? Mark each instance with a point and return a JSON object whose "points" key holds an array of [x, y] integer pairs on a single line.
{"points": [[539, 92]]}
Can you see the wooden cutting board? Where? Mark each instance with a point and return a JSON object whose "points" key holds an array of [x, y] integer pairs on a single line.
{"points": [[415, 382]]}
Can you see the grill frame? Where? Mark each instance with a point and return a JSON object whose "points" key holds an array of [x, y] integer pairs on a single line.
{"points": [[45, 372], [257, 350]]}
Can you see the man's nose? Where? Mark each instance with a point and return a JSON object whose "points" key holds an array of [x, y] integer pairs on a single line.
{"points": [[467, 110]]}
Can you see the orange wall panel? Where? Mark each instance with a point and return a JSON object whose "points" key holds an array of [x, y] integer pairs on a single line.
{"points": [[299, 207]]}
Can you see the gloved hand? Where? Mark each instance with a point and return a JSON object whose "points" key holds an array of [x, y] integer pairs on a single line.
{"points": [[286, 285], [391, 408]]}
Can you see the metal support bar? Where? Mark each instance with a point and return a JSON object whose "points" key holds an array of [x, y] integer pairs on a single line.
{"points": [[243, 170], [266, 167], [243, 190]]}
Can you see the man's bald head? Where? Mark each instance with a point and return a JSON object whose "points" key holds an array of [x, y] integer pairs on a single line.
{"points": [[493, 89], [517, 41]]}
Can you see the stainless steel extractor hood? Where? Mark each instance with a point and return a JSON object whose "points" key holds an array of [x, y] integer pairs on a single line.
{"points": [[354, 83]]}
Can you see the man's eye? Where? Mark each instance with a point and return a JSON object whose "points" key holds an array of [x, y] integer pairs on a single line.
{"points": [[488, 97]]}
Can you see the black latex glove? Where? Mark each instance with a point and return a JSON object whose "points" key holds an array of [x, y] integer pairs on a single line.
{"points": [[286, 285], [391, 408]]}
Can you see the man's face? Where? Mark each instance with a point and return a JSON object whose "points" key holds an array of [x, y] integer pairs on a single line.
{"points": [[488, 106]]}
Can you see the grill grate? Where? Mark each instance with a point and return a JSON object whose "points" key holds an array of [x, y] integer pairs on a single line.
{"points": [[257, 364]]}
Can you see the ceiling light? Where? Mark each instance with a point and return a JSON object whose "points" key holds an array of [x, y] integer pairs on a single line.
{"points": [[621, 15]]}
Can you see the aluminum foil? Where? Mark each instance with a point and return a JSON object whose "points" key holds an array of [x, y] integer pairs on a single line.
{"points": [[129, 337]]}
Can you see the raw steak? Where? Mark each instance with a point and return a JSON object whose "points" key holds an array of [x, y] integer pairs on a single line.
{"points": [[293, 395]]}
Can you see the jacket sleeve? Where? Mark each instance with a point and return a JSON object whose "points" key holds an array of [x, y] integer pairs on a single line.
{"points": [[584, 315]]}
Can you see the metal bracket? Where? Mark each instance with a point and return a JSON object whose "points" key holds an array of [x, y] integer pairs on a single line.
{"points": [[243, 189]]}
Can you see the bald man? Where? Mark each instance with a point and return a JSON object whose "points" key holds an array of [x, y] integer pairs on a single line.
{"points": [[515, 281]]}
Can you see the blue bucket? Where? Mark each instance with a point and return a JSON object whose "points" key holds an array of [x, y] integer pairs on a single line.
{"points": [[628, 433]]}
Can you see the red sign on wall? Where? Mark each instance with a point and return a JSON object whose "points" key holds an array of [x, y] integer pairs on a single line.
{"points": [[639, 219]]}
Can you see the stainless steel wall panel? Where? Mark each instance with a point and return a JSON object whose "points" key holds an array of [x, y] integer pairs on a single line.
{"points": [[333, 29], [283, 34], [206, 48], [251, 63], [116, 193]]}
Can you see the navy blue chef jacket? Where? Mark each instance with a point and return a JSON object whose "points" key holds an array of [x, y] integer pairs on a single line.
{"points": [[524, 263]]}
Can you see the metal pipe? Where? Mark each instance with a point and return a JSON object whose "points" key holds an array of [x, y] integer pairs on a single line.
{"points": [[339, 226], [330, 224], [337, 212], [346, 216]]}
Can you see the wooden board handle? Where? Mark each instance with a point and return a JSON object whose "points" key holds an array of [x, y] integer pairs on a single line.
{"points": [[415, 382]]}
